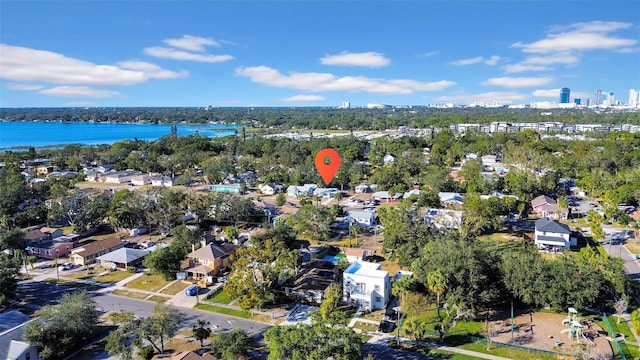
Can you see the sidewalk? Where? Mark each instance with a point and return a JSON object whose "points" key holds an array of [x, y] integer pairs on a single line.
{"points": [[382, 339]]}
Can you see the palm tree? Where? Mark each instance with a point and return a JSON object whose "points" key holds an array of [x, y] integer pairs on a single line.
{"points": [[437, 284], [201, 331]]}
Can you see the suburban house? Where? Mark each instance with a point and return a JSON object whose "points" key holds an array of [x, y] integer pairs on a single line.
{"points": [[122, 258], [544, 206], [363, 218], [355, 254], [552, 235], [453, 199], [313, 280], [384, 196], [363, 189], [12, 345], [325, 192], [389, 159], [41, 234], [366, 286], [161, 180], [210, 260], [87, 253], [410, 193], [226, 188], [443, 218], [141, 180], [271, 188], [52, 249], [119, 177], [304, 190], [105, 168]]}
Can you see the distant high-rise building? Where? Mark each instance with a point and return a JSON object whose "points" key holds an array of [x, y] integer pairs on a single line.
{"points": [[598, 98], [564, 95], [345, 105], [577, 101], [634, 98], [611, 99]]}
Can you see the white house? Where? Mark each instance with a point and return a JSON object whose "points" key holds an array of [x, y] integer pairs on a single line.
{"points": [[162, 181], [12, 344], [389, 159], [363, 189], [119, 177], [271, 189], [141, 180], [443, 218], [304, 190], [355, 254], [366, 285], [363, 218], [552, 235]]}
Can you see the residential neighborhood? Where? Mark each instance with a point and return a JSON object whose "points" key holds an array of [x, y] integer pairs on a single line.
{"points": [[414, 238]]}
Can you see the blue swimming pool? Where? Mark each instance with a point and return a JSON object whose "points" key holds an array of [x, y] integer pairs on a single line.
{"points": [[333, 259]]}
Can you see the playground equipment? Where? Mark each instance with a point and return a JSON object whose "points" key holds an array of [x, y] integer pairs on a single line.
{"points": [[575, 327]]}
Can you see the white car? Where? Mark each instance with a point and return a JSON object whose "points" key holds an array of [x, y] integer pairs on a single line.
{"points": [[66, 266]]}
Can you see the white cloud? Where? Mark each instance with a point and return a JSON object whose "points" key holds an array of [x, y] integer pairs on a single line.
{"points": [[152, 70], [428, 54], [366, 59], [470, 61], [520, 67], [318, 82], [629, 50], [192, 43], [518, 82], [487, 97], [26, 64], [303, 98], [79, 91], [493, 60], [174, 54], [24, 87], [550, 93], [542, 63], [580, 37]]}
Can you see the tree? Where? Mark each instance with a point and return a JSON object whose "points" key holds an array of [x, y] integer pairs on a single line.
{"points": [[161, 326], [317, 341], [332, 298], [437, 284], [201, 331], [9, 271], [62, 328], [231, 345], [621, 305], [165, 262], [312, 221], [281, 199]]}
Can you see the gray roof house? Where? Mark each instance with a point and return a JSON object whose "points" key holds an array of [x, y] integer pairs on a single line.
{"points": [[552, 235], [12, 346], [122, 258]]}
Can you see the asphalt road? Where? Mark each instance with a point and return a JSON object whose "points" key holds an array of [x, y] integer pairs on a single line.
{"points": [[614, 246]]}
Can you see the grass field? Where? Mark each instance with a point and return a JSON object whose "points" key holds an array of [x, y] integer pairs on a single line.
{"points": [[221, 297], [130, 294], [74, 284], [113, 277], [158, 299], [221, 310], [175, 288], [148, 282]]}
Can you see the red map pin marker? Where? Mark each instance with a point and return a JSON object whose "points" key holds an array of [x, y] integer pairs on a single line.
{"points": [[327, 162]]}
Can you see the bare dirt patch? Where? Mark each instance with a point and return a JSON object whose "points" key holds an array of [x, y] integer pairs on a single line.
{"points": [[544, 332]]}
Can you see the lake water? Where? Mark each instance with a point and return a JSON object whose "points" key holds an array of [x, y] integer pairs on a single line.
{"points": [[40, 134]]}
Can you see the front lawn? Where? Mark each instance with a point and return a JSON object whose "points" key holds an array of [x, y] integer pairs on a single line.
{"points": [[113, 277], [130, 294], [221, 297], [221, 310], [148, 282], [175, 288]]}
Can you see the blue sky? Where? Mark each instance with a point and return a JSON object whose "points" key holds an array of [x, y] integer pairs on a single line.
{"points": [[314, 53]]}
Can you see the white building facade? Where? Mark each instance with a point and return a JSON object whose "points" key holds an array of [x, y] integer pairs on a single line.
{"points": [[366, 285]]}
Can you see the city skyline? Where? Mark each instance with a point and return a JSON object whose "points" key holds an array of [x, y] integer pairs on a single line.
{"points": [[314, 53]]}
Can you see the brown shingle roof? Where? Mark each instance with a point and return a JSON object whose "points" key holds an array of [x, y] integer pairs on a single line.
{"points": [[213, 251], [97, 246]]}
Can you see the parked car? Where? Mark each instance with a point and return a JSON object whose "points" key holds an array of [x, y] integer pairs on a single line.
{"points": [[193, 290], [66, 266]]}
